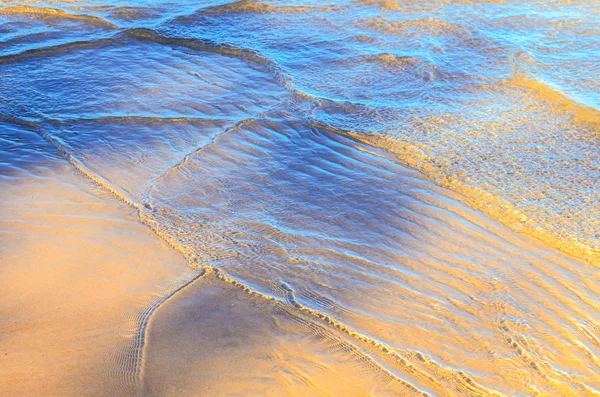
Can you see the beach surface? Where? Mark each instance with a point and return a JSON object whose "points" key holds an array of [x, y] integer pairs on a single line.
{"points": [[333, 198], [79, 273]]}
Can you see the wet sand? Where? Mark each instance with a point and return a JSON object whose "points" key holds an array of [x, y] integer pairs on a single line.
{"points": [[78, 272], [260, 199], [97, 304], [214, 339], [435, 295]]}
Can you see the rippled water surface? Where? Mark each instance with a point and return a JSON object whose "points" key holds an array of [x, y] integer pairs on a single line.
{"points": [[407, 190]]}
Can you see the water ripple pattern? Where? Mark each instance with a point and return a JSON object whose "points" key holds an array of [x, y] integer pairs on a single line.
{"points": [[416, 183]]}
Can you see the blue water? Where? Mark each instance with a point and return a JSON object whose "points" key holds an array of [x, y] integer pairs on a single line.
{"points": [[399, 165]]}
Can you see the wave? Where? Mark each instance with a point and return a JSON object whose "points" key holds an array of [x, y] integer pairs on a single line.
{"points": [[149, 35], [54, 13], [210, 46], [158, 38], [198, 44], [44, 51], [145, 120]]}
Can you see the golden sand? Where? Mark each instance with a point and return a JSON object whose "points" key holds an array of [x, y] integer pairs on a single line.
{"points": [[77, 272]]}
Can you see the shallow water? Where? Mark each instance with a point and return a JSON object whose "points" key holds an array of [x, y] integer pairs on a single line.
{"points": [[398, 175]]}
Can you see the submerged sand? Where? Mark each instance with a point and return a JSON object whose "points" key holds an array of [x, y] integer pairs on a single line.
{"points": [[270, 158]]}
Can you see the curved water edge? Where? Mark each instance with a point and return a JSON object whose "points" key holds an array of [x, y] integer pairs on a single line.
{"points": [[132, 358], [259, 154]]}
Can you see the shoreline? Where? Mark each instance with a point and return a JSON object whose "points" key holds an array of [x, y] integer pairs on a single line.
{"points": [[78, 269]]}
